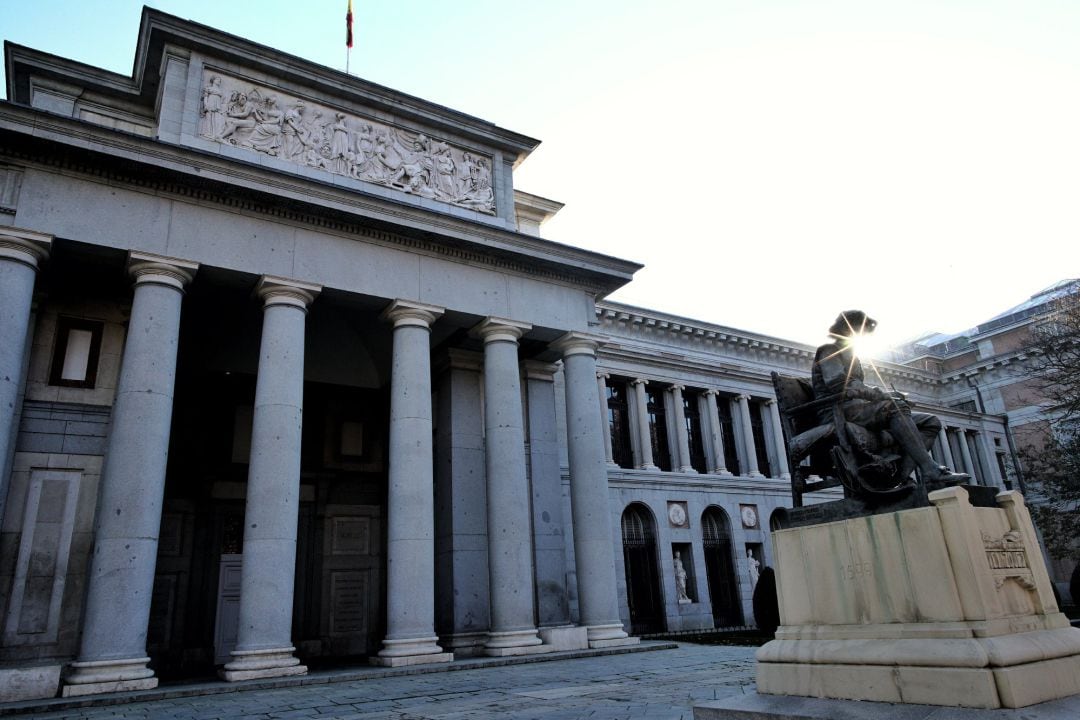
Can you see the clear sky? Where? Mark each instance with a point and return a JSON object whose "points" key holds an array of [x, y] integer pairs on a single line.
{"points": [[771, 162]]}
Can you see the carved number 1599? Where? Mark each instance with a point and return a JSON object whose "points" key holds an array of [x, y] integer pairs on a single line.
{"points": [[854, 570]]}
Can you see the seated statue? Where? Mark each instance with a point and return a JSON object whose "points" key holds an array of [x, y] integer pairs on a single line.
{"points": [[882, 442]]}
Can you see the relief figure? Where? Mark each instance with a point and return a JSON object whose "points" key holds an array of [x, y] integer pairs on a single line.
{"points": [[266, 135], [212, 112], [239, 119]]}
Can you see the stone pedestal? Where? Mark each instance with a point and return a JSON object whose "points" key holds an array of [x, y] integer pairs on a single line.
{"points": [[943, 605]]}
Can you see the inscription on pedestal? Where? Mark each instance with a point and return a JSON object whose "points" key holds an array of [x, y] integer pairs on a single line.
{"points": [[348, 602], [850, 571]]}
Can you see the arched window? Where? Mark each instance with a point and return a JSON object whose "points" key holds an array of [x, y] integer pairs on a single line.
{"points": [[642, 575], [720, 568]]}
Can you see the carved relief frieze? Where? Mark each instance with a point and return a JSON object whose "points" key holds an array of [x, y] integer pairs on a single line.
{"points": [[307, 133]]}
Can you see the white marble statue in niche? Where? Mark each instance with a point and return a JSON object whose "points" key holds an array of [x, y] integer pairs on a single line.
{"points": [[753, 566], [680, 580], [307, 134]]}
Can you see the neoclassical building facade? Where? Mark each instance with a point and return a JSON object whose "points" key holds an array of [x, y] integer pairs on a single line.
{"points": [[289, 375]]}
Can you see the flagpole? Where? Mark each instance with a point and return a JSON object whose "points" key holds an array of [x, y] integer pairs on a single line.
{"points": [[348, 36]]}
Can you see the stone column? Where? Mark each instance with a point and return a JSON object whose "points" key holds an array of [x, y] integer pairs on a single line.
{"points": [[778, 439], [21, 252], [112, 654], [641, 403], [589, 501], [748, 437], [601, 386], [264, 637], [989, 461], [513, 628], [946, 451], [965, 453], [682, 438], [410, 540], [716, 434]]}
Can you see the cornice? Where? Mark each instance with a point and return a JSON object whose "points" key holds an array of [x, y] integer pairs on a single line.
{"points": [[192, 173], [158, 30], [983, 367], [619, 315], [634, 320]]}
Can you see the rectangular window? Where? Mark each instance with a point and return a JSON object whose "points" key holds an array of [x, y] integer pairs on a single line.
{"points": [[75, 356], [693, 431], [618, 417], [658, 427], [757, 426]]}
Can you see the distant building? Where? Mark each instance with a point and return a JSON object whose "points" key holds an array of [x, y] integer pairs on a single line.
{"points": [[987, 369], [288, 374]]}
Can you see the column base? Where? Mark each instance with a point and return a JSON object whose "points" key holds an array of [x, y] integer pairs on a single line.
{"points": [[464, 644], [721, 471], [612, 635], [258, 664], [755, 474], [105, 676], [514, 642], [650, 466], [411, 651]]}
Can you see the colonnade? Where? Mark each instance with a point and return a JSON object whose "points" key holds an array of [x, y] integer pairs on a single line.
{"points": [[981, 464], [708, 411], [112, 654]]}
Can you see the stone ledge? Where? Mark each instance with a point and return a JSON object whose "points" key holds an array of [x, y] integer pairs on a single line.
{"points": [[28, 683], [781, 707]]}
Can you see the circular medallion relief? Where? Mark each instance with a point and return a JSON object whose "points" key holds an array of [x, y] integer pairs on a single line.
{"points": [[676, 514]]}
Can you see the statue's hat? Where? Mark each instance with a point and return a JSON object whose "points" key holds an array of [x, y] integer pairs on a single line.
{"points": [[851, 322]]}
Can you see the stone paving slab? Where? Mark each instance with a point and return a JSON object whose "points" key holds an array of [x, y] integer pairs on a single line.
{"points": [[654, 685], [751, 706]]}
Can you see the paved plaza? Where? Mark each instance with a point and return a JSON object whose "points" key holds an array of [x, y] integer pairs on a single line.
{"points": [[657, 685]]}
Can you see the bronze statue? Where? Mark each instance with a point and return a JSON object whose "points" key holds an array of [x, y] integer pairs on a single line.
{"points": [[882, 441]]}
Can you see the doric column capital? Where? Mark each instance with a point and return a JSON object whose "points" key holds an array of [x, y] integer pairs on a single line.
{"points": [[536, 370], [496, 329], [150, 269], [24, 246], [578, 343], [284, 291], [405, 312]]}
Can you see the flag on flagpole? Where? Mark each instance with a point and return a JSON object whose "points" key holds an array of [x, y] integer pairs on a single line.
{"points": [[348, 26]]}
